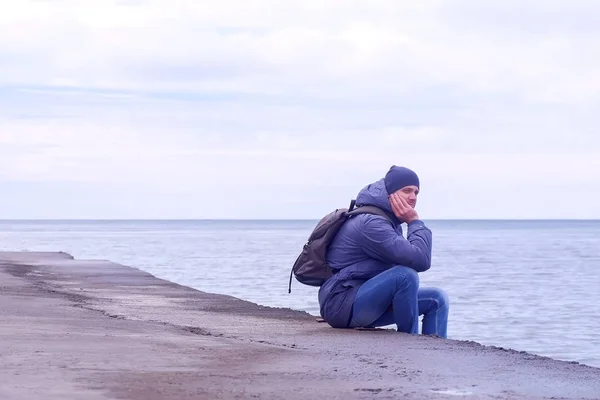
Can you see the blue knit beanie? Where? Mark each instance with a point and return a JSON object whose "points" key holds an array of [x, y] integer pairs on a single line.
{"points": [[399, 177]]}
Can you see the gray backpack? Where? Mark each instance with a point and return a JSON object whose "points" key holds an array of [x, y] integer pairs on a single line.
{"points": [[311, 266]]}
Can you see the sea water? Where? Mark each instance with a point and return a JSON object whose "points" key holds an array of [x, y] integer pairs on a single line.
{"points": [[526, 285]]}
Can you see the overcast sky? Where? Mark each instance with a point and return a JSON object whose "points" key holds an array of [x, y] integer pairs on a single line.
{"points": [[286, 109]]}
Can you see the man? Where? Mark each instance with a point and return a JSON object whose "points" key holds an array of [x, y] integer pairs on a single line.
{"points": [[376, 281]]}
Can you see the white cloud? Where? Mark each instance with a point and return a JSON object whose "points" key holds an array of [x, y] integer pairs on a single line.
{"points": [[318, 97], [328, 49]]}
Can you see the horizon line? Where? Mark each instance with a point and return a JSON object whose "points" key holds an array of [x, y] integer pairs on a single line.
{"points": [[276, 219]]}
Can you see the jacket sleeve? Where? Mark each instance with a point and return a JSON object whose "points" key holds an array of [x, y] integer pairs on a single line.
{"points": [[381, 241]]}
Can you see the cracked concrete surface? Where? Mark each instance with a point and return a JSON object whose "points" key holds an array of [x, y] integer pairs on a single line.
{"points": [[93, 329]]}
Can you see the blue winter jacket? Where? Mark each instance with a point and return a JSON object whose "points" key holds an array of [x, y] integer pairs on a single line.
{"points": [[365, 246]]}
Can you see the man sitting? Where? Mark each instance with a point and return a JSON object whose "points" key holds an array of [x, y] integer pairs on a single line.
{"points": [[376, 281]]}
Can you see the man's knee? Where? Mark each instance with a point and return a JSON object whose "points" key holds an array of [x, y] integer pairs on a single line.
{"points": [[442, 297], [406, 276]]}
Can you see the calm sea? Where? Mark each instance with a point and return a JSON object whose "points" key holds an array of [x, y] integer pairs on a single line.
{"points": [[527, 285]]}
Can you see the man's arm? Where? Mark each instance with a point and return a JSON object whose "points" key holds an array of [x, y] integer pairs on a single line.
{"points": [[382, 242]]}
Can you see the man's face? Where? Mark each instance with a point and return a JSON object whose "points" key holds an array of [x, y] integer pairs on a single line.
{"points": [[409, 193]]}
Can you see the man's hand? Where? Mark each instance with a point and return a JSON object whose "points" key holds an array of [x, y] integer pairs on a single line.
{"points": [[402, 210]]}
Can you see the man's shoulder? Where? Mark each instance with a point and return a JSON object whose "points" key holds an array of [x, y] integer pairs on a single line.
{"points": [[361, 224], [372, 218], [368, 209]]}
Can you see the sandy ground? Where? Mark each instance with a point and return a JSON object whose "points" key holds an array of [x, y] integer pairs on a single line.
{"points": [[79, 329]]}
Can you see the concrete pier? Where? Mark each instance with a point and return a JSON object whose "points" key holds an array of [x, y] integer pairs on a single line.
{"points": [[93, 329]]}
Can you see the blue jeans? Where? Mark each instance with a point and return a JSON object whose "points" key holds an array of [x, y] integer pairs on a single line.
{"points": [[394, 297]]}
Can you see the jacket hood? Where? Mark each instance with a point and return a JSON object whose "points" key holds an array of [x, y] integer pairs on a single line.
{"points": [[375, 194]]}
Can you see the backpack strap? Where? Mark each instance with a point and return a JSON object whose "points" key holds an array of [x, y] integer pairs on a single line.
{"points": [[352, 204], [370, 210]]}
